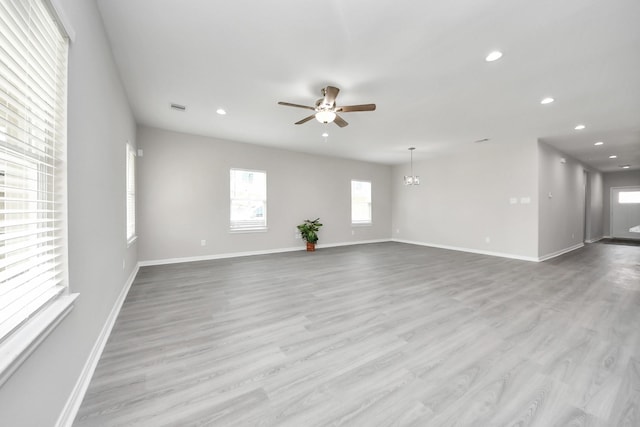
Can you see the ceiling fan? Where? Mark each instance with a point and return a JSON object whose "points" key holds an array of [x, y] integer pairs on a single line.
{"points": [[326, 110]]}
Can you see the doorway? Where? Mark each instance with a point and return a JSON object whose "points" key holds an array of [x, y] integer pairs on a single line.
{"points": [[625, 213]]}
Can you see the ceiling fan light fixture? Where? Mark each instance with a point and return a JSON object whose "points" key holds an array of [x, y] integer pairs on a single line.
{"points": [[325, 116], [325, 110]]}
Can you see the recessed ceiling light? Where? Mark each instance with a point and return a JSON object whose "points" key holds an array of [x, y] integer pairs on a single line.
{"points": [[494, 56], [579, 127], [613, 156], [599, 143], [325, 134], [221, 111], [547, 100], [625, 166]]}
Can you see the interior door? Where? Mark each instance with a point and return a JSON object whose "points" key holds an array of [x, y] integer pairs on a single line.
{"points": [[625, 212]]}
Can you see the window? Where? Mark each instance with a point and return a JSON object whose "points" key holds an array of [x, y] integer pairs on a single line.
{"points": [[360, 202], [629, 197], [33, 249], [131, 194], [248, 200]]}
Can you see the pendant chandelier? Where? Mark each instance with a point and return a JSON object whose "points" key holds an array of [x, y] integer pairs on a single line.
{"points": [[411, 179]]}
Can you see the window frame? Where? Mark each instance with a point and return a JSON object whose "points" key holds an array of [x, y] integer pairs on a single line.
{"points": [[41, 131], [368, 221], [249, 228]]}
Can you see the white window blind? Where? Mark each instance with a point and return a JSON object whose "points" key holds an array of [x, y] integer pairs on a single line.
{"points": [[131, 193], [360, 202], [248, 200], [33, 64]]}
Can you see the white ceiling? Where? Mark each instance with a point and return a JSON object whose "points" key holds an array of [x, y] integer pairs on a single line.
{"points": [[421, 62]]}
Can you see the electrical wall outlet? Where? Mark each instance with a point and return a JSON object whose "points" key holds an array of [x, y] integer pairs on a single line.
{"points": [[203, 242]]}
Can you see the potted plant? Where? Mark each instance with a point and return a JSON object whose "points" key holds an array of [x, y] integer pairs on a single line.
{"points": [[309, 232]]}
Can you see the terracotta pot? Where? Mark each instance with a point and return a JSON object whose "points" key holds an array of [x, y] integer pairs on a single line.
{"points": [[311, 247]]}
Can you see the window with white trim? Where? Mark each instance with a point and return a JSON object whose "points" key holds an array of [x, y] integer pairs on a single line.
{"points": [[360, 202], [248, 200], [131, 193], [33, 91]]}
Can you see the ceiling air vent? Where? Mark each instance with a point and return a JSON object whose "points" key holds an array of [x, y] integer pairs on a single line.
{"points": [[178, 107]]}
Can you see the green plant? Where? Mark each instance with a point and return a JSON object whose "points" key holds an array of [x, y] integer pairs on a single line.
{"points": [[309, 230]]}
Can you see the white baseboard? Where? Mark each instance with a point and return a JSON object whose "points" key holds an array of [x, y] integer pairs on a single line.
{"points": [[75, 399], [597, 239], [361, 242], [560, 252], [215, 256], [250, 253], [474, 251]]}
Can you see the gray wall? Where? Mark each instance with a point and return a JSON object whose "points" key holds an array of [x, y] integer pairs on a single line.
{"points": [[183, 196], [562, 201], [464, 198], [615, 179], [595, 230], [99, 123]]}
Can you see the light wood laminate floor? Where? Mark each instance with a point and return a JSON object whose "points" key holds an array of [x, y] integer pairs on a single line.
{"points": [[384, 334]]}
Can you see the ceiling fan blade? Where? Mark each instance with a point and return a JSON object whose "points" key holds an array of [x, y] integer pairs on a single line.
{"points": [[288, 104], [340, 121], [330, 94], [306, 119], [363, 107]]}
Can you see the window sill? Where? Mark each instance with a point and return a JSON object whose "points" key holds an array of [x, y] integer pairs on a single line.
{"points": [[361, 224], [18, 346], [249, 230]]}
